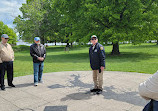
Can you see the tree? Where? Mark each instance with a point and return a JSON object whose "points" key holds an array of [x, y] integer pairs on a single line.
{"points": [[120, 20], [76, 20], [30, 24], [4, 29], [111, 20]]}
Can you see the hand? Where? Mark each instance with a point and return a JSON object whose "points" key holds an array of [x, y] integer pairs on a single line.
{"points": [[40, 58], [102, 68]]}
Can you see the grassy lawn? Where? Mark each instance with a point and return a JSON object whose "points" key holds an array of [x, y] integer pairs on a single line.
{"points": [[134, 58]]}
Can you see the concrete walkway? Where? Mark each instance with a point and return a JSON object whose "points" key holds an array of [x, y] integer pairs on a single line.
{"points": [[68, 91]]}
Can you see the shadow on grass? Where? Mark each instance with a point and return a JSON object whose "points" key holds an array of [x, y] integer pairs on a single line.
{"points": [[129, 57], [26, 49], [77, 57], [84, 57], [139, 46]]}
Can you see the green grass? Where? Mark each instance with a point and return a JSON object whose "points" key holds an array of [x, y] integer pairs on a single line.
{"points": [[139, 58]]}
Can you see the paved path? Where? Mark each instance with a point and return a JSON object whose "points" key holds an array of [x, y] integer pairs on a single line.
{"points": [[66, 91]]}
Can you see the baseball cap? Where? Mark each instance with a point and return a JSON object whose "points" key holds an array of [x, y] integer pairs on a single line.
{"points": [[36, 38], [4, 36], [93, 36]]}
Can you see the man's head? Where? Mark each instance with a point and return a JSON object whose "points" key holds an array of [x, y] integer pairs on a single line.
{"points": [[37, 40], [94, 39], [4, 38]]}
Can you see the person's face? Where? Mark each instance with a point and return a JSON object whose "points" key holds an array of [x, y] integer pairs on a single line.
{"points": [[94, 40], [4, 40], [37, 42]]}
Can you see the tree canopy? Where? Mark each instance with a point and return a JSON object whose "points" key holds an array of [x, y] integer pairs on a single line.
{"points": [[4, 29], [76, 20]]}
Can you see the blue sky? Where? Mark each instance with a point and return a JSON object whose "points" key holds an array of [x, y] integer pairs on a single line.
{"points": [[9, 9]]}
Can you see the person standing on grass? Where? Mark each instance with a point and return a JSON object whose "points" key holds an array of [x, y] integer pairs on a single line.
{"points": [[38, 53], [97, 62], [6, 61]]}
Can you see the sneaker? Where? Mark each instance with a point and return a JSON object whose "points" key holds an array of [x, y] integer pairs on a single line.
{"points": [[35, 84], [93, 90], [3, 88], [99, 91], [41, 82], [12, 85]]}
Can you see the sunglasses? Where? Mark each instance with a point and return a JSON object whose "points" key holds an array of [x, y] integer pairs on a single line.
{"points": [[93, 39], [6, 38]]}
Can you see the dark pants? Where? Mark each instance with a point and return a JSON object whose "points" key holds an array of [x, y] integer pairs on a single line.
{"points": [[6, 66], [151, 106]]}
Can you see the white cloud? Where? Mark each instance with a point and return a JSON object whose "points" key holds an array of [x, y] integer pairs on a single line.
{"points": [[9, 9]]}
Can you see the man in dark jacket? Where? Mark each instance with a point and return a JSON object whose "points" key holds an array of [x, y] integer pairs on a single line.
{"points": [[97, 62], [38, 53]]}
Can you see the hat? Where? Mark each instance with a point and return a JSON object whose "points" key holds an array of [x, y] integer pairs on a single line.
{"points": [[93, 36], [4, 36], [36, 38]]}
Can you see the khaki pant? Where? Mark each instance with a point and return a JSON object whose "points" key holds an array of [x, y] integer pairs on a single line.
{"points": [[97, 79]]}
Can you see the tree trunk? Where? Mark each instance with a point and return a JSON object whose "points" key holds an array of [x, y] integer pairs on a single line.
{"points": [[71, 44], [67, 44], [115, 50], [55, 42], [42, 40]]}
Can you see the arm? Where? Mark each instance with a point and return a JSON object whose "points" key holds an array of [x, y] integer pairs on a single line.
{"points": [[32, 53], [12, 53], [0, 54], [44, 53], [102, 57]]}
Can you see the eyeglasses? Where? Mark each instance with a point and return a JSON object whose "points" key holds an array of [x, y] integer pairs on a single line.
{"points": [[93, 39], [6, 38]]}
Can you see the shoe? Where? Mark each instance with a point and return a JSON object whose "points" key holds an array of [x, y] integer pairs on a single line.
{"points": [[3, 88], [35, 84], [41, 82], [93, 90], [12, 85], [99, 91]]}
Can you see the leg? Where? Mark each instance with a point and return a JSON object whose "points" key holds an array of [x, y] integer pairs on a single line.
{"points": [[41, 71], [95, 80], [36, 71], [2, 74], [100, 80], [10, 73]]}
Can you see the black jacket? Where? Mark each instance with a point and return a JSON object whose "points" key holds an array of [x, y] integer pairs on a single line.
{"points": [[35, 53], [151, 106], [97, 56]]}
